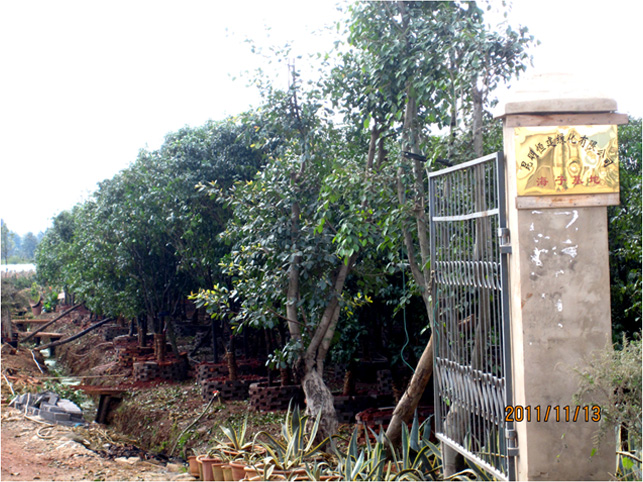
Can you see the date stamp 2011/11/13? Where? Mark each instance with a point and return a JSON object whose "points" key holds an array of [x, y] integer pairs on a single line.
{"points": [[536, 413]]}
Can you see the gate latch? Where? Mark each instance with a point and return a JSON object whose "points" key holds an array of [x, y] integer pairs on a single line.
{"points": [[505, 240], [512, 443]]}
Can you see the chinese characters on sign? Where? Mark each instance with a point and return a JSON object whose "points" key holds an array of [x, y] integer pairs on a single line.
{"points": [[567, 160]]}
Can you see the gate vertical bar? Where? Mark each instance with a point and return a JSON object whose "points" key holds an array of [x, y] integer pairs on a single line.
{"points": [[472, 375], [505, 250]]}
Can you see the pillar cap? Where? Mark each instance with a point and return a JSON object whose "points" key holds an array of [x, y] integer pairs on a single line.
{"points": [[554, 92]]}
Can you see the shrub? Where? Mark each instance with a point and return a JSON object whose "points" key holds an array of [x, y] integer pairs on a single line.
{"points": [[615, 376]]}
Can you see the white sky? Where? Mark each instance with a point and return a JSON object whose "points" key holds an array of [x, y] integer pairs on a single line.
{"points": [[85, 84]]}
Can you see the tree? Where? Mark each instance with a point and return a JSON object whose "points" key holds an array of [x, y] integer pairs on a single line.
{"points": [[7, 242], [299, 230], [29, 244], [54, 253], [314, 197], [429, 61], [146, 239], [625, 236]]}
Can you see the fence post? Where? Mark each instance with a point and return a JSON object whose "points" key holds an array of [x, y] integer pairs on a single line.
{"points": [[562, 173]]}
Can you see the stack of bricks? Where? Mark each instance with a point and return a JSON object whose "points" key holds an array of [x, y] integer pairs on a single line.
{"points": [[171, 369], [227, 389], [347, 407], [128, 355], [384, 381], [50, 407], [112, 331], [267, 398], [206, 371]]}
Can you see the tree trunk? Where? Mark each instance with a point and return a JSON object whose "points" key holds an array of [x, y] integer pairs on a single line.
{"points": [[215, 350], [318, 396], [284, 376], [349, 379], [231, 357], [320, 399], [407, 405], [477, 121], [159, 347], [7, 329], [142, 331], [172, 336]]}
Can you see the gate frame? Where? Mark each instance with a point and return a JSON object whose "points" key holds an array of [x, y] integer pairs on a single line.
{"points": [[511, 449]]}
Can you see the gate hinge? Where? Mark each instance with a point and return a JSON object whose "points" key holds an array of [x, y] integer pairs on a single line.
{"points": [[505, 240], [512, 442]]}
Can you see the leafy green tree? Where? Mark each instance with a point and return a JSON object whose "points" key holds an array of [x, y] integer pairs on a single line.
{"points": [[28, 246], [625, 235], [146, 238], [317, 203], [54, 252], [430, 63], [215, 151], [7, 242], [299, 231]]}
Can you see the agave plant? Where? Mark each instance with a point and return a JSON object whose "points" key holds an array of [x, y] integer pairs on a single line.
{"points": [[318, 470], [416, 459], [237, 446], [628, 458], [419, 456], [363, 464], [295, 446]]}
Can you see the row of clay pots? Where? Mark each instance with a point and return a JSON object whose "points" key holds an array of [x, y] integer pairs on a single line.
{"points": [[214, 469]]}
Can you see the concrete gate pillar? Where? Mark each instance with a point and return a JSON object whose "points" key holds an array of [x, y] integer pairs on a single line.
{"points": [[562, 172]]}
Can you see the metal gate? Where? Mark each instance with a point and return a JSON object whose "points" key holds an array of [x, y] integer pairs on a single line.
{"points": [[471, 315]]}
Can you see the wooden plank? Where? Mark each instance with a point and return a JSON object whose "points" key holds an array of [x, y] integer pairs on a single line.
{"points": [[42, 334], [34, 320], [96, 390], [54, 320], [577, 200], [76, 336], [596, 118]]}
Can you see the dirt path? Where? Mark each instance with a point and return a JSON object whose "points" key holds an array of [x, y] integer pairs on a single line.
{"points": [[36, 451]]}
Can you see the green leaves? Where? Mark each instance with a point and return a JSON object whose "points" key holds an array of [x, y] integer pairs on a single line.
{"points": [[147, 237], [296, 445]]}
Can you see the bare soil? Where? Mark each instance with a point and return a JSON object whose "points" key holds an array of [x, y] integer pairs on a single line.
{"points": [[38, 451]]}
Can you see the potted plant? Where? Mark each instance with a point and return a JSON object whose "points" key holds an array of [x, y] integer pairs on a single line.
{"points": [[287, 455], [36, 300], [210, 466], [50, 301], [237, 450]]}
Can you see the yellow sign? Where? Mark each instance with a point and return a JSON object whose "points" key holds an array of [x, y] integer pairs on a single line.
{"points": [[567, 160]]}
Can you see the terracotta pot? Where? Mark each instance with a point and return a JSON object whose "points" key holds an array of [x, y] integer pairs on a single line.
{"points": [[217, 470], [207, 464], [251, 473], [238, 469], [36, 308], [193, 466], [227, 473], [292, 474]]}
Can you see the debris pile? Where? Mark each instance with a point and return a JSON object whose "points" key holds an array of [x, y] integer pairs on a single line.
{"points": [[49, 406]]}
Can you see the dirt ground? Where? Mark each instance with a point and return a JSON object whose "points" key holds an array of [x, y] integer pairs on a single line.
{"points": [[39, 451], [35, 450]]}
